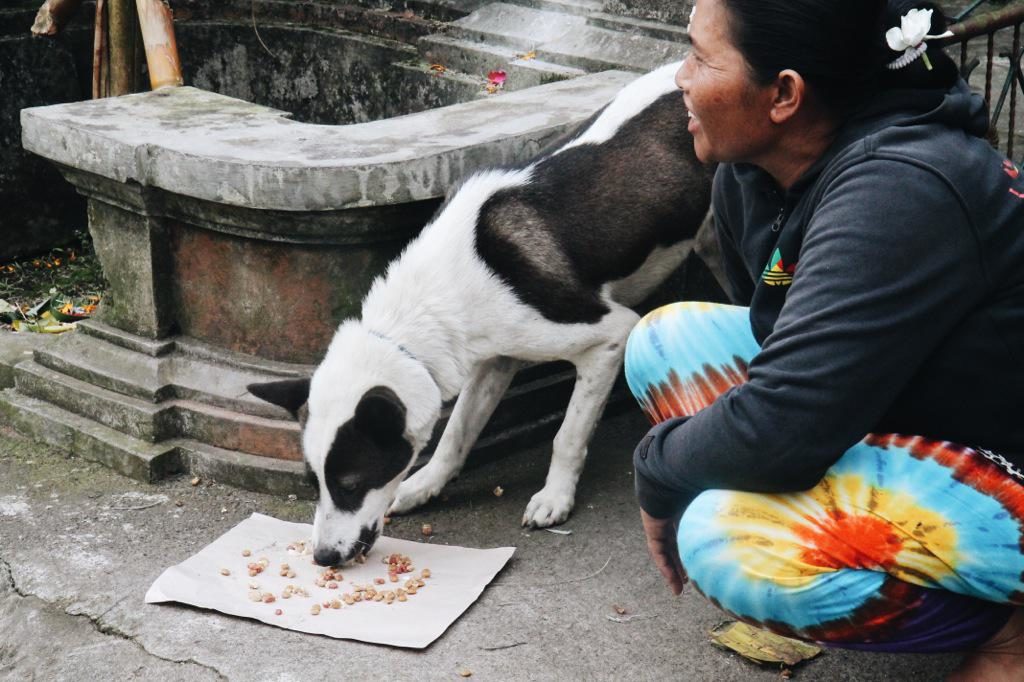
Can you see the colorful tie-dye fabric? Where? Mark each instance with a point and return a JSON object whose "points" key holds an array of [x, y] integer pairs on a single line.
{"points": [[906, 544]]}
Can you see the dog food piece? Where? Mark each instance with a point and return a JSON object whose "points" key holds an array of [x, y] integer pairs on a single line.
{"points": [[291, 574], [378, 597], [425, 573], [335, 604], [269, 598], [315, 609], [285, 567], [225, 571], [255, 595], [263, 561], [278, 612], [348, 599], [499, 491], [393, 577], [358, 596], [332, 585], [387, 520], [246, 552], [378, 581], [253, 585], [300, 547], [402, 597], [427, 529]]}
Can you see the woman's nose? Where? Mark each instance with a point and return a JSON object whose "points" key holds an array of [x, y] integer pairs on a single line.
{"points": [[682, 75]]}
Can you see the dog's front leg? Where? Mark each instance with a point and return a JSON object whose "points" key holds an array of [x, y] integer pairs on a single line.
{"points": [[474, 406], [596, 370]]}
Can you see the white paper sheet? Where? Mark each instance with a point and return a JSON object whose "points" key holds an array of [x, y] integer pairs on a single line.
{"points": [[458, 576]]}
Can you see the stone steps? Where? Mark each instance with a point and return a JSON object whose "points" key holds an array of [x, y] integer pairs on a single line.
{"points": [[481, 58], [130, 372], [149, 462], [88, 439], [651, 29], [134, 417], [515, 26], [154, 423], [577, 7], [598, 49], [566, 40]]}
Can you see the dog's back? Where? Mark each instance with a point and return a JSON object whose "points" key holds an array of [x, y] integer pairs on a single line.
{"points": [[592, 210]]}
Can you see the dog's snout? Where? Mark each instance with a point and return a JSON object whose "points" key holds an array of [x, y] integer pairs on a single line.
{"points": [[326, 557]]}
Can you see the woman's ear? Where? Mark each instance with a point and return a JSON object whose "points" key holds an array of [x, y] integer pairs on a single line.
{"points": [[789, 96]]}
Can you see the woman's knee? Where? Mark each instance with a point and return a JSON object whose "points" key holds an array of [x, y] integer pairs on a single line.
{"points": [[693, 532]]}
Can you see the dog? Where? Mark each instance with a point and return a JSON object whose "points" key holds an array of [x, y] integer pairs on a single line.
{"points": [[524, 264]]}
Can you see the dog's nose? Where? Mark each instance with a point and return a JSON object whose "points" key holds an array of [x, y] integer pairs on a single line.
{"points": [[327, 557]]}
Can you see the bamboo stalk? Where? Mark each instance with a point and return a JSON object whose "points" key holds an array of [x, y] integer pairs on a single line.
{"points": [[99, 51], [161, 48], [53, 15], [122, 38]]}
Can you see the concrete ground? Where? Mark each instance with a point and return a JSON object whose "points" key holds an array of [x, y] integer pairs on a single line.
{"points": [[79, 546]]}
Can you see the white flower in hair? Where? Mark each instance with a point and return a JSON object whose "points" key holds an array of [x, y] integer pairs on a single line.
{"points": [[912, 31], [910, 36]]}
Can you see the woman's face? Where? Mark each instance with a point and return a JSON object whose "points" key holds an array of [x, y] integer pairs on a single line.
{"points": [[729, 112]]}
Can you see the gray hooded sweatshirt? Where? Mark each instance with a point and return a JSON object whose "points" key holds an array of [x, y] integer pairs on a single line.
{"points": [[905, 313]]}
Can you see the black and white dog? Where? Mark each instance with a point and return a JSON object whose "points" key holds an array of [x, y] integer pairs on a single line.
{"points": [[527, 264]]}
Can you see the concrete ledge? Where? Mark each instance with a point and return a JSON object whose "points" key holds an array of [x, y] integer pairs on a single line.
{"points": [[206, 146]]}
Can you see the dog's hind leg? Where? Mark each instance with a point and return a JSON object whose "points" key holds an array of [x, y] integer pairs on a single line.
{"points": [[596, 370], [474, 406]]}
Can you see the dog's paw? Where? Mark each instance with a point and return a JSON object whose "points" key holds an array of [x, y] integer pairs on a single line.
{"points": [[414, 492], [548, 508]]}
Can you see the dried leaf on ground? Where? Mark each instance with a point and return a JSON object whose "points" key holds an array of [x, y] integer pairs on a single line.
{"points": [[761, 646]]}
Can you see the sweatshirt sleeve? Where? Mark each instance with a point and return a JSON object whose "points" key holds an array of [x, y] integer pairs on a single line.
{"points": [[889, 264]]}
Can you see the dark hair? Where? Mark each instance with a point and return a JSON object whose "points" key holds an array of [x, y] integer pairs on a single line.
{"points": [[837, 46]]}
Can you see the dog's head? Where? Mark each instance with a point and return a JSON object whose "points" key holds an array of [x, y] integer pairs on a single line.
{"points": [[366, 413]]}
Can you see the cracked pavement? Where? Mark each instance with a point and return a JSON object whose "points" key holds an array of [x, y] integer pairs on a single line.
{"points": [[80, 545]]}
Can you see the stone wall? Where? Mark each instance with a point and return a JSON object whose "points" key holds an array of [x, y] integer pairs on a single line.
{"points": [[39, 209]]}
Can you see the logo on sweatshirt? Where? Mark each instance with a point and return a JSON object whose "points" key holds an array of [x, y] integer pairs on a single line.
{"points": [[777, 273]]}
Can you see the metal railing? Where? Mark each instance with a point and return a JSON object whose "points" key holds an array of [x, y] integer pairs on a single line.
{"points": [[988, 25]]}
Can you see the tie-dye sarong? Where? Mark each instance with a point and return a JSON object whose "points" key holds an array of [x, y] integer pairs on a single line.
{"points": [[906, 544]]}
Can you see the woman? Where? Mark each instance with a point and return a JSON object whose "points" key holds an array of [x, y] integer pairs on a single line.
{"points": [[878, 243]]}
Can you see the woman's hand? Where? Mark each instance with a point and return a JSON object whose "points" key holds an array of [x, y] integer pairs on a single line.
{"points": [[661, 543]]}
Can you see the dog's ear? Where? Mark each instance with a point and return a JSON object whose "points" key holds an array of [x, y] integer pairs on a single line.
{"points": [[291, 394], [380, 415]]}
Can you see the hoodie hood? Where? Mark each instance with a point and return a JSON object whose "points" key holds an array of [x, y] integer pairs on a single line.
{"points": [[958, 108]]}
